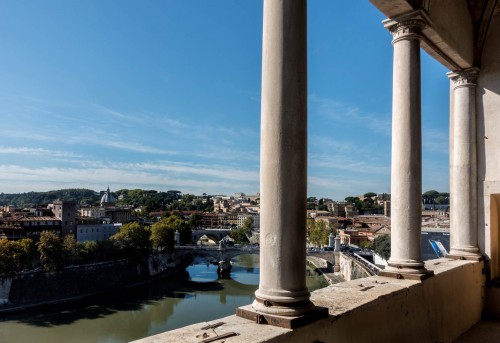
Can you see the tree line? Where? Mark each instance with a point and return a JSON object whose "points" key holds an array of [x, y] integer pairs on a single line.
{"points": [[133, 241], [150, 200]]}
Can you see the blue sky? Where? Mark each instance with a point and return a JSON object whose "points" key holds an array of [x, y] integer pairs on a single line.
{"points": [[165, 94]]}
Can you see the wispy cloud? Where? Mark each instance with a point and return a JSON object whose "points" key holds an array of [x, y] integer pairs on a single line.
{"points": [[19, 178], [346, 185], [350, 115], [435, 140], [36, 152], [361, 165], [205, 170]]}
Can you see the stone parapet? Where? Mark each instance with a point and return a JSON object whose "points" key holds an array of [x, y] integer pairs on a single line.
{"points": [[438, 309]]}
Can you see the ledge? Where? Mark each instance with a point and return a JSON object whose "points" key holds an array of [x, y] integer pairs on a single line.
{"points": [[377, 308]]}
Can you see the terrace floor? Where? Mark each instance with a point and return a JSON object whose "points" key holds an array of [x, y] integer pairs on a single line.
{"points": [[486, 331]]}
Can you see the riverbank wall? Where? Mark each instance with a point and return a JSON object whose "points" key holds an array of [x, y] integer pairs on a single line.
{"points": [[36, 288]]}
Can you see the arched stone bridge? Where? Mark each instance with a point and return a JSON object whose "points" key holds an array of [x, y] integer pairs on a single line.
{"points": [[214, 234], [220, 254]]}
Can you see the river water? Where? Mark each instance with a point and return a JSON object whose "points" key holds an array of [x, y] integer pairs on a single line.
{"points": [[193, 296]]}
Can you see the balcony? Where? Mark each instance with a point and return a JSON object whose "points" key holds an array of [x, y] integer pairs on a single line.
{"points": [[435, 301]]}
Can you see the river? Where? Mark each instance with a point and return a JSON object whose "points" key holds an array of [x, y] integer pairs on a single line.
{"points": [[195, 295]]}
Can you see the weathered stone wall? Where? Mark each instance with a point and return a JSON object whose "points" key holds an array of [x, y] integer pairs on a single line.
{"points": [[37, 287], [350, 269], [42, 287]]}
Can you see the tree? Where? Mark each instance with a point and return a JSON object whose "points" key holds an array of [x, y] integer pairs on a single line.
{"points": [[312, 203], [69, 250], [87, 251], [163, 236], [15, 255], [370, 195], [382, 246], [430, 196], [239, 235], [23, 253], [175, 222], [356, 202], [319, 233], [321, 205], [134, 240], [50, 248], [366, 245], [248, 225], [194, 221]]}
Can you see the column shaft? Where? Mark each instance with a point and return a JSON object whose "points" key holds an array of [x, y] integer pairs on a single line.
{"points": [[463, 166], [283, 174], [406, 166]]}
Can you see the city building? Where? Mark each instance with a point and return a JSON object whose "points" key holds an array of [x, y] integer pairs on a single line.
{"points": [[66, 211], [21, 226], [107, 211], [96, 232]]}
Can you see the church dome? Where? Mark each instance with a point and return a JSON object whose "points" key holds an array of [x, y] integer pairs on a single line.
{"points": [[108, 199]]}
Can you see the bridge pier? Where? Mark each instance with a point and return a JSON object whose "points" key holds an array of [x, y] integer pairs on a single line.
{"points": [[224, 268]]}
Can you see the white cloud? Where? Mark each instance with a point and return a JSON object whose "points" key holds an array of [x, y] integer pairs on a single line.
{"points": [[36, 152], [435, 140], [350, 115], [20, 179], [343, 186]]}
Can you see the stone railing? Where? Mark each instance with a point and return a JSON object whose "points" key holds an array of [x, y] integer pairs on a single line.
{"points": [[374, 309]]}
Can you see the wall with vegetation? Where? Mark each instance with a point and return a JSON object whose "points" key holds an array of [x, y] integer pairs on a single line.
{"points": [[45, 287]]}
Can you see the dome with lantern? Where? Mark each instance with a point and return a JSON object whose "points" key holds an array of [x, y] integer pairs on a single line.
{"points": [[108, 199]]}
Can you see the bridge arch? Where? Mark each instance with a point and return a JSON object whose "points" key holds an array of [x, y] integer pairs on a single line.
{"points": [[216, 253], [214, 234]]}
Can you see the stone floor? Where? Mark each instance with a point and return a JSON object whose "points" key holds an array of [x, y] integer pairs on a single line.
{"points": [[486, 331]]}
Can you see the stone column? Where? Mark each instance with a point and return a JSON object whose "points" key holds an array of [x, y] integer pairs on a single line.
{"points": [[406, 166], [463, 165], [283, 161], [336, 253]]}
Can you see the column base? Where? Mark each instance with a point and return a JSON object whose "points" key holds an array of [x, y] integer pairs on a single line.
{"points": [[465, 253], [406, 269], [296, 308], [407, 276], [470, 257], [288, 322]]}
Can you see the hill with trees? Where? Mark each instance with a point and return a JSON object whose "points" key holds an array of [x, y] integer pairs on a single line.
{"points": [[32, 199]]}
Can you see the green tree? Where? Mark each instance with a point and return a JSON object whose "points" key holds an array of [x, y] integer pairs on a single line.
{"points": [[163, 236], [177, 223], [312, 203], [15, 255], [319, 233], [248, 225], [369, 195], [51, 251], [382, 246], [430, 196], [194, 221], [134, 240], [366, 245], [69, 250], [87, 251], [239, 235], [321, 205]]}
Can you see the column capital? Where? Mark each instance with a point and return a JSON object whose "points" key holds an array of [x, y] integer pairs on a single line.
{"points": [[408, 25], [464, 78]]}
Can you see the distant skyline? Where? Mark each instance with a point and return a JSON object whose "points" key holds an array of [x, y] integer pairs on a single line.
{"points": [[166, 95]]}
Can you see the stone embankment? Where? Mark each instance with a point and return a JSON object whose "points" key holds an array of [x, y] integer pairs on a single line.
{"points": [[31, 289], [324, 267]]}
